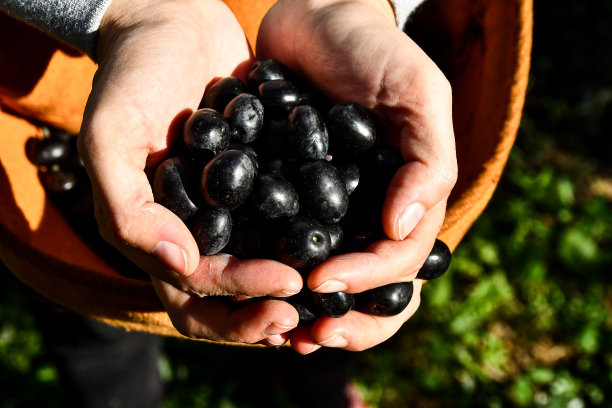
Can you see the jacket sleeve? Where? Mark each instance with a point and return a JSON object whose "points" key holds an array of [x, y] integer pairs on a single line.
{"points": [[75, 22], [403, 9]]}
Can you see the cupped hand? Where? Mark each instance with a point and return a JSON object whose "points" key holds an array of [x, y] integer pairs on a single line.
{"points": [[352, 51], [155, 60]]}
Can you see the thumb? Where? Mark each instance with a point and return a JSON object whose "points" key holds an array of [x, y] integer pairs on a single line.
{"points": [[119, 138], [427, 144], [145, 232]]}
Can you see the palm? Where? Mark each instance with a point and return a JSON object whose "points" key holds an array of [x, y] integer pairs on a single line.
{"points": [[156, 71]]}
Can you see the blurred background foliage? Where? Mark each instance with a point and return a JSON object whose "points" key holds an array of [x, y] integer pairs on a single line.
{"points": [[524, 316]]}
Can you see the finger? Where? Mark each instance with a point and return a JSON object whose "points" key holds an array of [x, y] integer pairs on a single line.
{"points": [[357, 331], [223, 274], [150, 235], [276, 340], [383, 262], [302, 342], [115, 153], [214, 319], [414, 103], [428, 146]]}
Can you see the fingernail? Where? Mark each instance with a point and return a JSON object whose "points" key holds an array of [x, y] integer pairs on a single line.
{"points": [[331, 286], [173, 256], [337, 340], [275, 328], [276, 340], [409, 219], [289, 292], [314, 348], [292, 288]]}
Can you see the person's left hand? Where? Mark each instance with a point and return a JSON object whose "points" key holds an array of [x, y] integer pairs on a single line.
{"points": [[352, 51], [155, 59]]}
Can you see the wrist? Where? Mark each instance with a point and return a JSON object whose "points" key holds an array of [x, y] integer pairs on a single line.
{"points": [[384, 7], [123, 16], [112, 19]]}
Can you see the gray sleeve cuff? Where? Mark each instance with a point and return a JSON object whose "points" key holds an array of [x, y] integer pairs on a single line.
{"points": [[75, 22], [403, 9]]}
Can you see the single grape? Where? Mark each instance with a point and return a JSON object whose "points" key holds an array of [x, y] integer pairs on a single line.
{"points": [[350, 174], [437, 262], [336, 234], [244, 115], [335, 304], [227, 180], [307, 134], [174, 188], [265, 70], [247, 149], [48, 151], [274, 198], [206, 133], [304, 304], [279, 95], [211, 228], [302, 243], [58, 181], [322, 191], [352, 129], [219, 94], [387, 300]]}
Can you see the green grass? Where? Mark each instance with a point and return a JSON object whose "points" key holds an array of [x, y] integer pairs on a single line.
{"points": [[524, 316]]}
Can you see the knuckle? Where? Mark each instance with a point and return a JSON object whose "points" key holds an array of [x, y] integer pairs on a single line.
{"points": [[121, 225], [187, 329], [447, 176], [104, 226], [245, 333], [184, 329], [181, 323], [443, 174], [116, 229], [235, 336]]}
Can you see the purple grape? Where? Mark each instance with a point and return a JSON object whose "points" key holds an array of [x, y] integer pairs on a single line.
{"points": [[211, 228], [174, 188]]}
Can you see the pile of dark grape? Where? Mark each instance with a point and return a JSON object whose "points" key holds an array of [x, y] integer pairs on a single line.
{"points": [[261, 172]]}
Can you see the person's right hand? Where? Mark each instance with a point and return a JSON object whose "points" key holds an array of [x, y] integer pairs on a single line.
{"points": [[155, 60], [352, 51]]}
